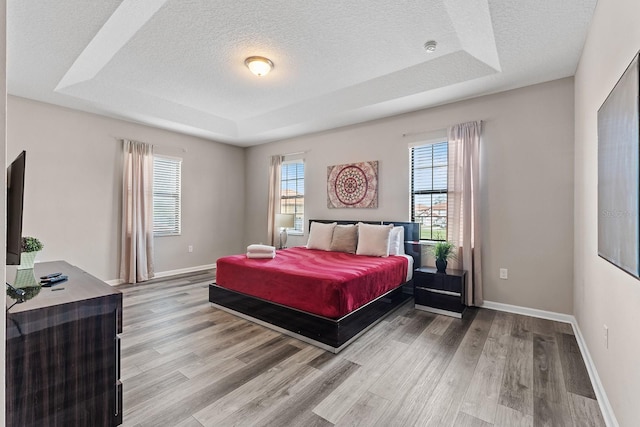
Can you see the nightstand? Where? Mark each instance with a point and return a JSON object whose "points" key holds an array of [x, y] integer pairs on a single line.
{"points": [[441, 293]]}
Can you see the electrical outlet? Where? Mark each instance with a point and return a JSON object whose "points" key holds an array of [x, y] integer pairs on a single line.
{"points": [[504, 273], [606, 336], [190, 248]]}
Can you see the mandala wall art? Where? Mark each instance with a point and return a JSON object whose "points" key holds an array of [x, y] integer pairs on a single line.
{"points": [[353, 185]]}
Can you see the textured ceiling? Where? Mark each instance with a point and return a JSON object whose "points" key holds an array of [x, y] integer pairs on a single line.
{"points": [[179, 64]]}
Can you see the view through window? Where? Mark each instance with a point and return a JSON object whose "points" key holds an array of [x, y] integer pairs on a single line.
{"points": [[292, 192], [429, 165]]}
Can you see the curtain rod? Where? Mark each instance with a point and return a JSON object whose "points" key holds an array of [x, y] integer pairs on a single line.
{"points": [[423, 132], [120, 138], [296, 153]]}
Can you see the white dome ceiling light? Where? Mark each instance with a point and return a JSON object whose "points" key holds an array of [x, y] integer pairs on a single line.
{"points": [[259, 65]]}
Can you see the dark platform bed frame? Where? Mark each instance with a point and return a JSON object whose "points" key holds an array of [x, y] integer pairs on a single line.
{"points": [[329, 334]]}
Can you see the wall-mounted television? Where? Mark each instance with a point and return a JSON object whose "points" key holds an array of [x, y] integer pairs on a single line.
{"points": [[619, 173], [15, 203]]}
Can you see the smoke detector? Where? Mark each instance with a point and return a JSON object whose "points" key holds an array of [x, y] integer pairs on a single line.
{"points": [[430, 46]]}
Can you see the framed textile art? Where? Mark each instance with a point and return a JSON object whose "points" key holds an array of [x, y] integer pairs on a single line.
{"points": [[353, 185]]}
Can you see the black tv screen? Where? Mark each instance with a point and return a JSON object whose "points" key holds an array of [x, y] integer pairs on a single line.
{"points": [[15, 201]]}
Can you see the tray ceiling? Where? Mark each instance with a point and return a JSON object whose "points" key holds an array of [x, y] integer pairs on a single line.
{"points": [[179, 64]]}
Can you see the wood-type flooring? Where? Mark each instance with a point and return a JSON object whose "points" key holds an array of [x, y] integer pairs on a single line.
{"points": [[187, 364]]}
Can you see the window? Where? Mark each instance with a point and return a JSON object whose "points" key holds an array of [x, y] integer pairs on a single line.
{"points": [[166, 195], [292, 192], [429, 189]]}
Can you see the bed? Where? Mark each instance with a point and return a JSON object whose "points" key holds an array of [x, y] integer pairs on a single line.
{"points": [[321, 297]]}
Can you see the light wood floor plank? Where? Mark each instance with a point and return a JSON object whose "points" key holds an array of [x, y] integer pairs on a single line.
{"points": [[550, 414], [442, 408], [576, 377], [189, 422], [548, 380], [264, 406], [563, 328], [153, 387], [183, 408], [507, 417], [277, 383], [298, 410], [432, 354], [517, 382], [466, 420], [585, 411], [365, 412], [148, 377], [481, 399], [338, 402], [134, 414], [439, 325], [187, 364]]}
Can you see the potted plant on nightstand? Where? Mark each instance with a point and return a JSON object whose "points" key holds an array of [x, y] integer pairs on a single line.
{"points": [[30, 248], [442, 251]]}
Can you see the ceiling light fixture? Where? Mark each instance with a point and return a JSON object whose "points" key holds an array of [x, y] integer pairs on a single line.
{"points": [[430, 46], [259, 65]]}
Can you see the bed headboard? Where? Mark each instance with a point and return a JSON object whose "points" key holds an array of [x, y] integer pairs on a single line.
{"points": [[411, 235]]}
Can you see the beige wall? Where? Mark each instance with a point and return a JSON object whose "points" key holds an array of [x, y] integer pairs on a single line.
{"points": [[527, 184], [73, 187], [604, 294]]}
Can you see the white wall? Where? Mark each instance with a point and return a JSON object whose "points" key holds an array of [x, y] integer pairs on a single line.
{"points": [[527, 184], [604, 294], [73, 188]]}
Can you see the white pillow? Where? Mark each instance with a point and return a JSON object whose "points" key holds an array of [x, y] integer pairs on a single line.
{"points": [[320, 236], [396, 241], [373, 240]]}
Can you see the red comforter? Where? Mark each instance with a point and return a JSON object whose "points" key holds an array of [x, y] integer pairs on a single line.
{"points": [[329, 284]]}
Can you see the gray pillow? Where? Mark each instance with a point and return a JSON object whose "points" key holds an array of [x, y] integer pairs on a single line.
{"points": [[345, 239]]}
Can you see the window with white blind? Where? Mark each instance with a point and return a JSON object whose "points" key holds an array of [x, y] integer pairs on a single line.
{"points": [[166, 195], [429, 166], [292, 192]]}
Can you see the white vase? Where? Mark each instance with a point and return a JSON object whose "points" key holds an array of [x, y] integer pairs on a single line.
{"points": [[27, 259]]}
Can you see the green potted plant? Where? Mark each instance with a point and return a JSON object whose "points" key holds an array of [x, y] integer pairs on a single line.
{"points": [[442, 251], [30, 248]]}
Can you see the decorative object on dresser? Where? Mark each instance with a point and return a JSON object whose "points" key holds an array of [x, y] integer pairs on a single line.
{"points": [[63, 350], [442, 251], [353, 185], [31, 246], [284, 221], [439, 292]]}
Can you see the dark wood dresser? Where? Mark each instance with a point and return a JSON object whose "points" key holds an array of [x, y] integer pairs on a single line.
{"points": [[63, 350]]}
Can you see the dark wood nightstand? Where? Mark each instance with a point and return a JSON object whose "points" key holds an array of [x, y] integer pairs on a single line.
{"points": [[441, 293]]}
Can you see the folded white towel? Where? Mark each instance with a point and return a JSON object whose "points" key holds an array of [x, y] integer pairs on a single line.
{"points": [[261, 249], [256, 255]]}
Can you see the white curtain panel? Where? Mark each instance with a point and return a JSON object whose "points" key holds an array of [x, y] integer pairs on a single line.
{"points": [[136, 262], [463, 201], [275, 169]]}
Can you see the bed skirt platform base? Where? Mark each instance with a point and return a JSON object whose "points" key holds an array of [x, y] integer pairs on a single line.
{"points": [[332, 335]]}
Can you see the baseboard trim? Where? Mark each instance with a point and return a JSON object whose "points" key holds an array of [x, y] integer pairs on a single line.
{"points": [[605, 407], [533, 312], [161, 274]]}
